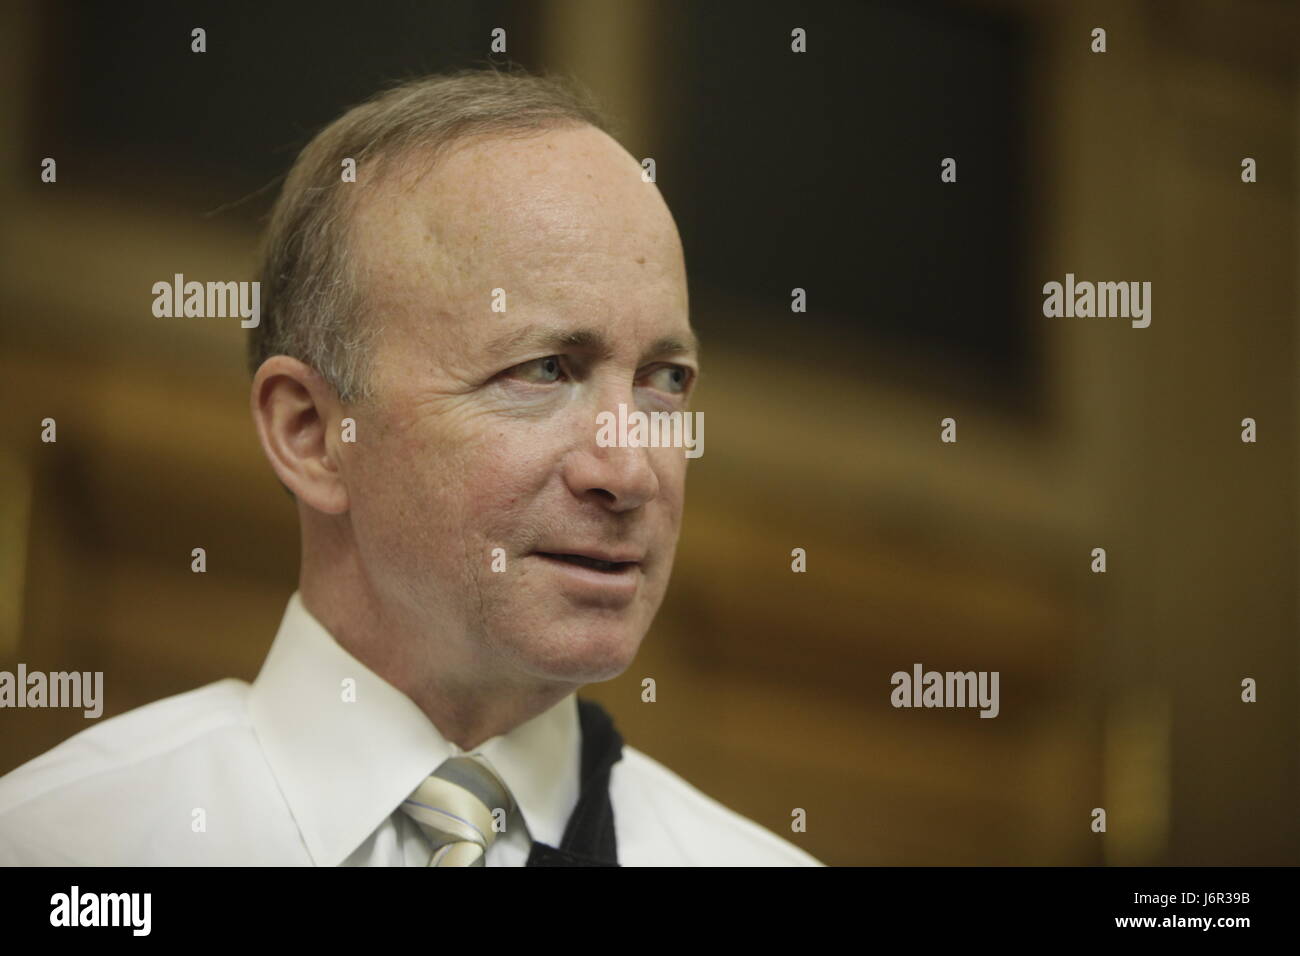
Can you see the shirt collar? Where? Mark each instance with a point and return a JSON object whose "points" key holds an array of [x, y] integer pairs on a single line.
{"points": [[346, 755]]}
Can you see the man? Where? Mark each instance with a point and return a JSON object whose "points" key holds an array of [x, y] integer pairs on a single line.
{"points": [[459, 277]]}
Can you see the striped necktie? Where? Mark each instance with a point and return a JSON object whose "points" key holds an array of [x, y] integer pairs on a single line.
{"points": [[453, 807]]}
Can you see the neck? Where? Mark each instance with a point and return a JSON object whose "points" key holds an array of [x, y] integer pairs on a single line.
{"points": [[457, 684]]}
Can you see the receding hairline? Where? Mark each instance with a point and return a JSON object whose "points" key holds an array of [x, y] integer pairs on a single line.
{"points": [[404, 168], [311, 307], [396, 174], [427, 158]]}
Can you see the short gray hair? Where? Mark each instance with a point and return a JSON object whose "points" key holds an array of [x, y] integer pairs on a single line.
{"points": [[313, 307]]}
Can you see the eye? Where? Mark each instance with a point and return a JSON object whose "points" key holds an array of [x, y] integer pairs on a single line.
{"points": [[542, 371], [671, 378]]}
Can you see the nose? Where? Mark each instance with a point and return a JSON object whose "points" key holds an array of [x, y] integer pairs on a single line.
{"points": [[619, 479]]}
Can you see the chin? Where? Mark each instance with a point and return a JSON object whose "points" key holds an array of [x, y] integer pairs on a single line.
{"points": [[583, 655]]}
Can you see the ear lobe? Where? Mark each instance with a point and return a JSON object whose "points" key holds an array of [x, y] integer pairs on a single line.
{"points": [[294, 409]]}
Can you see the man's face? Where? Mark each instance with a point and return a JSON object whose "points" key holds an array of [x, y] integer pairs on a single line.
{"points": [[483, 433]]}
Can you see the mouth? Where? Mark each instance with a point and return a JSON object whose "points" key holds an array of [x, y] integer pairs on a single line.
{"points": [[586, 561]]}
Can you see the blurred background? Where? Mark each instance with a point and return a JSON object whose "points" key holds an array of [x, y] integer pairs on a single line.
{"points": [[819, 171]]}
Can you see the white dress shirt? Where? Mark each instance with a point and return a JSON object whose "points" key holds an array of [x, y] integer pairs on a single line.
{"points": [[302, 767]]}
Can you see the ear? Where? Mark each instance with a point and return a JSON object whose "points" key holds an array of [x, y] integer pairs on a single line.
{"points": [[297, 415]]}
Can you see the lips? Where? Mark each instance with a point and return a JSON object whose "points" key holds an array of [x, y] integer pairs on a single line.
{"points": [[593, 577], [597, 561]]}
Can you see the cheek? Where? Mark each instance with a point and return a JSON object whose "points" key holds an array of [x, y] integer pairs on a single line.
{"points": [[392, 517], [401, 486], [493, 486], [670, 468]]}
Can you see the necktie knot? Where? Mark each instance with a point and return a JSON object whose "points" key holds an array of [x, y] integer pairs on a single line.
{"points": [[454, 807]]}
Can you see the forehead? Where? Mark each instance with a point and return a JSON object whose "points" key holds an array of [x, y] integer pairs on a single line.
{"points": [[555, 220]]}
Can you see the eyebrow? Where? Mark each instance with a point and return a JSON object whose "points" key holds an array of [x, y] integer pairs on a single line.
{"points": [[553, 337]]}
